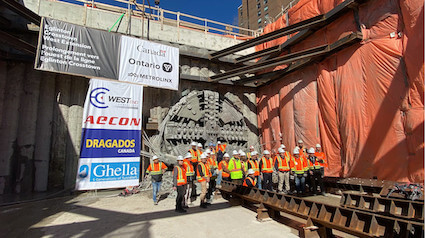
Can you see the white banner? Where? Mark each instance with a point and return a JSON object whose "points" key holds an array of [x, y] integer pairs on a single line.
{"points": [[111, 136], [149, 63]]}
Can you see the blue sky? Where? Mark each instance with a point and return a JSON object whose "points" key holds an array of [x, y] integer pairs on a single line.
{"points": [[224, 11]]}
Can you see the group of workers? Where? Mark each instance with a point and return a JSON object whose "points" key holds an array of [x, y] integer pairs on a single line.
{"points": [[210, 166]]}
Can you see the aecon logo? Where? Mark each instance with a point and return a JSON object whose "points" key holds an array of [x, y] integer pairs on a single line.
{"points": [[97, 97], [83, 172]]}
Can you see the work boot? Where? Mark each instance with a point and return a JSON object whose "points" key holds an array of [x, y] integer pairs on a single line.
{"points": [[203, 205], [155, 203]]}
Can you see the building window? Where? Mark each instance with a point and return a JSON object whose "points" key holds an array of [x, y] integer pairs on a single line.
{"points": [[266, 8], [259, 13], [258, 5], [265, 1], [266, 16], [259, 20]]}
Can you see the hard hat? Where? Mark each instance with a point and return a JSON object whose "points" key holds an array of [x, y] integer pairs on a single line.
{"points": [[280, 150], [311, 150], [179, 158], [193, 143], [188, 156], [226, 155], [296, 151], [242, 153], [208, 151], [199, 145], [300, 141], [251, 171], [253, 153], [282, 146], [154, 157], [218, 142], [318, 146], [266, 152], [203, 156], [235, 152], [211, 144], [251, 147]]}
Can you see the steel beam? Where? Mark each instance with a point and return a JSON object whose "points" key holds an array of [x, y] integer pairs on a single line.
{"points": [[17, 43], [351, 221], [405, 209], [22, 11]]}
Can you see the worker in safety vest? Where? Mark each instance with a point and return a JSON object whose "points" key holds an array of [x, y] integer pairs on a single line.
{"points": [[220, 149], [212, 148], [281, 164], [223, 171], [235, 168], [303, 150], [195, 157], [156, 170], [321, 156], [244, 162], [203, 176], [266, 170], [199, 151], [251, 149], [317, 172], [250, 180], [253, 164], [213, 167], [190, 175], [298, 165], [179, 184]]}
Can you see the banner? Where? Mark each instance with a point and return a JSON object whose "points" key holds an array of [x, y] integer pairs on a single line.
{"points": [[149, 63], [111, 136], [68, 48], [71, 49]]}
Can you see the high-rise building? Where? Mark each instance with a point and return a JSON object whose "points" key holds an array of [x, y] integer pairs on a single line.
{"points": [[255, 14]]}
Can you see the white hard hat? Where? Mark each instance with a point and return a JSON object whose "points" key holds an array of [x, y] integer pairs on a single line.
{"points": [[300, 141], [282, 146], [154, 157], [208, 151], [203, 156], [187, 156], [193, 143], [218, 142], [266, 152], [318, 146], [311, 150], [242, 153], [251, 171], [251, 147], [179, 158], [254, 153], [199, 145], [296, 151], [235, 152], [226, 155], [280, 150]]}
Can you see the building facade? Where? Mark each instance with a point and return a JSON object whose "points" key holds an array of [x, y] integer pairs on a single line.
{"points": [[256, 14]]}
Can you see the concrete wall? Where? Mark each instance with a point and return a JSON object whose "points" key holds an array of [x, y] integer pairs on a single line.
{"points": [[40, 123]]}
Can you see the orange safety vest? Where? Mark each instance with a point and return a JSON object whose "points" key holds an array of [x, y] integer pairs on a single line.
{"points": [[181, 176], [199, 153], [321, 156], [254, 166], [298, 165], [205, 171], [156, 169], [283, 164], [267, 165], [221, 147], [252, 181], [188, 167], [212, 163], [223, 164], [194, 155], [248, 155]]}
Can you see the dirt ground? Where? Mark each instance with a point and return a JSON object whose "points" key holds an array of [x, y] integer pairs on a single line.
{"points": [[106, 215]]}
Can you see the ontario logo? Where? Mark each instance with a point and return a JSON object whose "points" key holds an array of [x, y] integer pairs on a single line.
{"points": [[100, 98]]}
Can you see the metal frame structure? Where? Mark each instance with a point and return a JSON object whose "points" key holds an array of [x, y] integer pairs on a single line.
{"points": [[270, 57], [325, 217]]}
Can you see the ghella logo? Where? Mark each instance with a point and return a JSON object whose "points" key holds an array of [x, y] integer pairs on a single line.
{"points": [[101, 98]]}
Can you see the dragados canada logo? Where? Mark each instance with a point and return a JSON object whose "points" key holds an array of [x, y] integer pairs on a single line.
{"points": [[97, 97]]}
